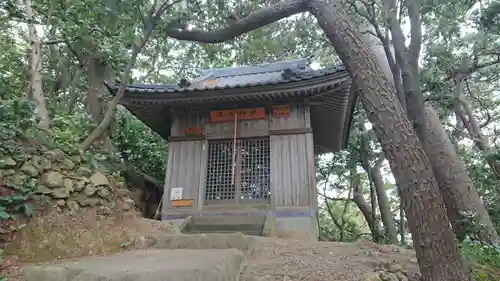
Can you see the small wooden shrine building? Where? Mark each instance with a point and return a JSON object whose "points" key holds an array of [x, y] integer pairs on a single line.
{"points": [[242, 140]]}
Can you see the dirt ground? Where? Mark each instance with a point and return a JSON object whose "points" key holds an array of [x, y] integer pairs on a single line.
{"points": [[56, 236], [289, 260]]}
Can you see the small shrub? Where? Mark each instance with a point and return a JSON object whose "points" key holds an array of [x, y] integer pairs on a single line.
{"points": [[483, 259]]}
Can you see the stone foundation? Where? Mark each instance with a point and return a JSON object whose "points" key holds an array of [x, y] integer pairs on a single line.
{"points": [[295, 223]]}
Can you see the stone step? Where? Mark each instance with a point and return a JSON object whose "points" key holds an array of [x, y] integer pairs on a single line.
{"points": [[250, 225], [250, 229], [246, 232], [228, 220], [226, 226], [145, 265]]}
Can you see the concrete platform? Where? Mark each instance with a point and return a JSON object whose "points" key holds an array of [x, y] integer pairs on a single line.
{"points": [[205, 241], [248, 225], [145, 265]]}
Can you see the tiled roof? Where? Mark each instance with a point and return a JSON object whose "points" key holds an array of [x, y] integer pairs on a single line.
{"points": [[279, 66], [240, 77], [331, 113]]}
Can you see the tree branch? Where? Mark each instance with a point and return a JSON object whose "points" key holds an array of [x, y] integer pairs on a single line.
{"points": [[329, 210], [53, 42], [254, 20], [380, 160], [409, 67], [487, 111], [395, 66], [333, 198], [415, 31]]}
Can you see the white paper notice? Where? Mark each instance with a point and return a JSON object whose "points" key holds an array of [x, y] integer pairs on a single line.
{"points": [[176, 193]]}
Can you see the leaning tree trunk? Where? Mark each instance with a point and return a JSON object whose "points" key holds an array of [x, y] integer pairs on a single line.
{"points": [[36, 82], [365, 208], [423, 204], [384, 205], [94, 103], [457, 189]]}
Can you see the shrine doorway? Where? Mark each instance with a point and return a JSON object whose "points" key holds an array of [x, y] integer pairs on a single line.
{"points": [[238, 172]]}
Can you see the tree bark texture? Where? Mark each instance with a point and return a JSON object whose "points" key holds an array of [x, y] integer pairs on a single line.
{"points": [[72, 89], [384, 205], [457, 189], [377, 191], [373, 200], [364, 152], [402, 218], [408, 61], [365, 208], [36, 91], [96, 72]]}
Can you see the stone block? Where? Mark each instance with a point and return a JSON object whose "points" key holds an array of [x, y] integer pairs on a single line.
{"points": [[145, 265]]}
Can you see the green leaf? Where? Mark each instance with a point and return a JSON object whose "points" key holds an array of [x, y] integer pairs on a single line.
{"points": [[4, 215], [125, 244], [28, 209]]}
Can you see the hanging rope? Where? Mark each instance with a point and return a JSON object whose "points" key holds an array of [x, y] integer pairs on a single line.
{"points": [[234, 148], [157, 213]]}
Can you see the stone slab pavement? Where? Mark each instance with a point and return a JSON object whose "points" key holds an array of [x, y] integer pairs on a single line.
{"points": [[145, 265]]}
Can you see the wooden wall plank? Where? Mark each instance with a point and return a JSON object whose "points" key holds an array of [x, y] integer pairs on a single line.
{"points": [[203, 174], [291, 174], [296, 120], [245, 129], [185, 170]]}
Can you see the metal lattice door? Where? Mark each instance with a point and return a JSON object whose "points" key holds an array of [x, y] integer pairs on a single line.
{"points": [[220, 187], [254, 177], [249, 180]]}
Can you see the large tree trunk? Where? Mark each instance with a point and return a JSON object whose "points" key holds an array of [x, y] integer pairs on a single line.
{"points": [[365, 208], [94, 102], [402, 219], [36, 82], [457, 188], [423, 204], [384, 205], [377, 191], [364, 152], [97, 73]]}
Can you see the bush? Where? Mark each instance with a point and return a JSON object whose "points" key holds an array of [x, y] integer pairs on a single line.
{"points": [[16, 116], [484, 260], [69, 130], [139, 145]]}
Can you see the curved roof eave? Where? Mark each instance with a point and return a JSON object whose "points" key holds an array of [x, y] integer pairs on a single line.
{"points": [[153, 94]]}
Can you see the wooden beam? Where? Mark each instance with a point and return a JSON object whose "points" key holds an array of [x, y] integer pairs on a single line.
{"points": [[185, 138], [290, 131]]}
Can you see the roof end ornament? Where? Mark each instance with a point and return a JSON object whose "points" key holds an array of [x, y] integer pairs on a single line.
{"points": [[184, 83]]}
